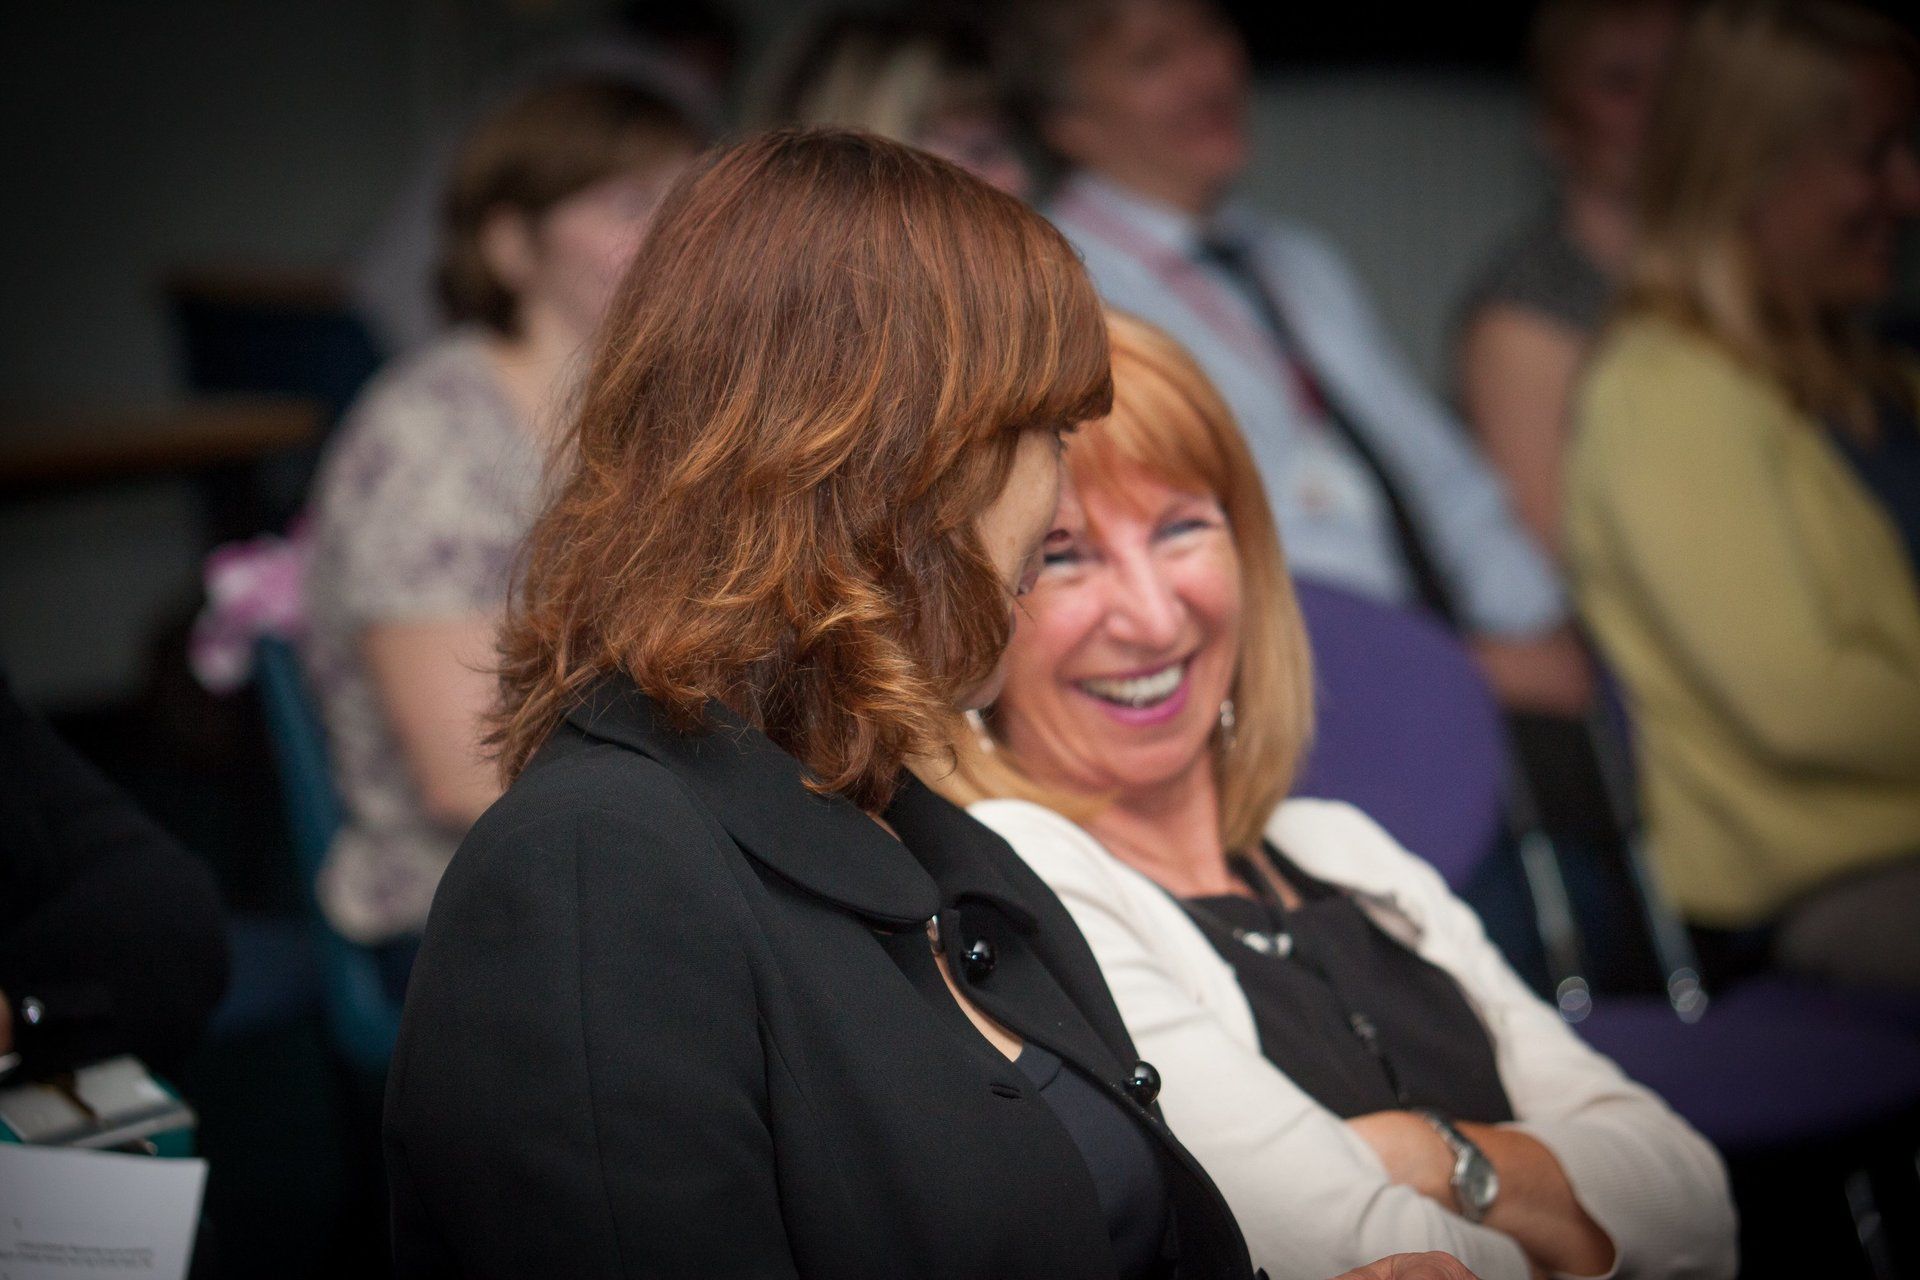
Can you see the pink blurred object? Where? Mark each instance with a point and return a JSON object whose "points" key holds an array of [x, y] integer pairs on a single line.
{"points": [[254, 588]]}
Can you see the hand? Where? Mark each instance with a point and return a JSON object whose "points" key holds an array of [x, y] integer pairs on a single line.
{"points": [[1412, 1150], [1549, 673], [1412, 1266]]}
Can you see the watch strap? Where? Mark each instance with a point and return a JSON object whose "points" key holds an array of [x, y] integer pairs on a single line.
{"points": [[1457, 1142], [1465, 1150]]}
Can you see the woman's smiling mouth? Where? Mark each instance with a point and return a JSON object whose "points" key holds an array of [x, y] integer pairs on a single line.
{"points": [[1138, 692]]}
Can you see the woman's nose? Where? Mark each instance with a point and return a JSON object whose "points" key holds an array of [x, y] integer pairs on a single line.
{"points": [[1145, 610]]}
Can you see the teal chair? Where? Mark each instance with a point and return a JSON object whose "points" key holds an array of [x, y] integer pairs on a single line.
{"points": [[362, 1021]]}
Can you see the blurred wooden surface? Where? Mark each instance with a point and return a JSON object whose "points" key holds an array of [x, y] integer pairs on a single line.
{"points": [[55, 448]]}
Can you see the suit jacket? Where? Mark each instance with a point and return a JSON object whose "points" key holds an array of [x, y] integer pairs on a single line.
{"points": [[677, 1015], [1144, 259]]}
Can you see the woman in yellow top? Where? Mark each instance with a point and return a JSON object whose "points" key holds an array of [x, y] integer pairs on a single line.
{"points": [[1744, 525]]}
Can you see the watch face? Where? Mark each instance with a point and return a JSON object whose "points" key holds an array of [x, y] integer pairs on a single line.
{"points": [[1479, 1183]]}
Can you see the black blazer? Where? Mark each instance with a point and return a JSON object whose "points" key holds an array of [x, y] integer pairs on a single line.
{"points": [[662, 1024]]}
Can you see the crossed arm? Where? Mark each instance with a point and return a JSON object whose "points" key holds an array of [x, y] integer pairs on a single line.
{"points": [[1649, 1189], [1536, 1205]]}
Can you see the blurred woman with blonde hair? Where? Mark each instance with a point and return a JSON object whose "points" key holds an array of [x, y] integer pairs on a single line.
{"points": [[1745, 494], [926, 83]]}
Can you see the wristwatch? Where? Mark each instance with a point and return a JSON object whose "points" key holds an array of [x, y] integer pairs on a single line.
{"points": [[1475, 1182]]}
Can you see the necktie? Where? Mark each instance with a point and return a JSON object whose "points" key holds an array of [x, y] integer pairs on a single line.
{"points": [[1230, 256]]}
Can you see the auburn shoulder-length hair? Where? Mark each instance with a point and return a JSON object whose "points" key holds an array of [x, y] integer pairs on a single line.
{"points": [[1755, 82], [811, 385], [1169, 422]]}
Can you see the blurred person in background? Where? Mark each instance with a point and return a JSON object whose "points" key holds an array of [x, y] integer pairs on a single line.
{"points": [[1375, 486], [926, 83], [1744, 494], [1308, 988], [111, 935], [684, 53], [425, 494], [1597, 68]]}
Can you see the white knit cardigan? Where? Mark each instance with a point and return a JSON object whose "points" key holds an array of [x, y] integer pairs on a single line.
{"points": [[1312, 1198]]}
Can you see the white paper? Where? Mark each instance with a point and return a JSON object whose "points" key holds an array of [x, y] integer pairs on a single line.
{"points": [[77, 1215]]}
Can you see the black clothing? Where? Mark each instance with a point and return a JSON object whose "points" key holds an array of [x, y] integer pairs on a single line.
{"points": [[1727, 956], [1345, 1011], [1543, 271], [1126, 1172], [111, 935], [393, 961], [677, 1015], [1889, 467]]}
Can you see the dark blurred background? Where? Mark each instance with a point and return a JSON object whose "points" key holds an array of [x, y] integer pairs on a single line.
{"points": [[176, 170], [216, 143]]}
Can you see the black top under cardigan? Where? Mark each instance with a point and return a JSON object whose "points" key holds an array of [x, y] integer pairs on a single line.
{"points": [[1354, 1018], [659, 1026]]}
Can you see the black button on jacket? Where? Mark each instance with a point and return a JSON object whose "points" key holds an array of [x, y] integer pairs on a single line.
{"points": [[665, 1022]]}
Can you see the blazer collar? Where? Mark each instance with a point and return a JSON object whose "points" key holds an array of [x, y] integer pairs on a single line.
{"points": [[962, 855], [824, 844]]}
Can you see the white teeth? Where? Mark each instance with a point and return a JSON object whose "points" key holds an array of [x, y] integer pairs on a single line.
{"points": [[1139, 691]]}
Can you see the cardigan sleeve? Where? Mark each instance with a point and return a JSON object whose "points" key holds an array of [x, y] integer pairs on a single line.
{"points": [[1651, 1182], [1679, 469], [1312, 1198], [580, 1087]]}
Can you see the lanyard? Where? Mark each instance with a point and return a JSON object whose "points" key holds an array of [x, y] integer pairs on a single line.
{"points": [[1188, 280]]}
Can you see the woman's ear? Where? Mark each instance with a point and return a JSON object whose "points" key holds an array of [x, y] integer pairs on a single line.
{"points": [[507, 245]]}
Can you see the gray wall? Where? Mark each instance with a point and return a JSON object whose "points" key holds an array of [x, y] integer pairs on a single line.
{"points": [[1416, 176], [143, 137]]}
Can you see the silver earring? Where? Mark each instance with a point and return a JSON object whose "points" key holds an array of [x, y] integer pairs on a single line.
{"points": [[1226, 724], [981, 737]]}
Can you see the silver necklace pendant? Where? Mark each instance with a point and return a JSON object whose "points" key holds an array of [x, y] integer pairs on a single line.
{"points": [[1267, 944]]}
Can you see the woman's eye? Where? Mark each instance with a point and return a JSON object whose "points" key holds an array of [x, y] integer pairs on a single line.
{"points": [[1178, 527]]}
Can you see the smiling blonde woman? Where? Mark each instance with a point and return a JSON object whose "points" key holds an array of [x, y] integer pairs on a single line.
{"points": [[1339, 1044]]}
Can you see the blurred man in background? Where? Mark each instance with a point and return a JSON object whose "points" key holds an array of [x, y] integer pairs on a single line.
{"points": [[1145, 104]]}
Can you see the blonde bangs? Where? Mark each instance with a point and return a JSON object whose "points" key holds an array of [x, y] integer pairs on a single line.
{"points": [[1158, 427], [1169, 423]]}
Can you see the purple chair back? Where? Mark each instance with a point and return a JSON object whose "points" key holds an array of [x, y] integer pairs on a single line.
{"points": [[1407, 729]]}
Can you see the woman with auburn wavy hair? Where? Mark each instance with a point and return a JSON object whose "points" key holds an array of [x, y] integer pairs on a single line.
{"points": [[1744, 523], [716, 988], [1346, 1053]]}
